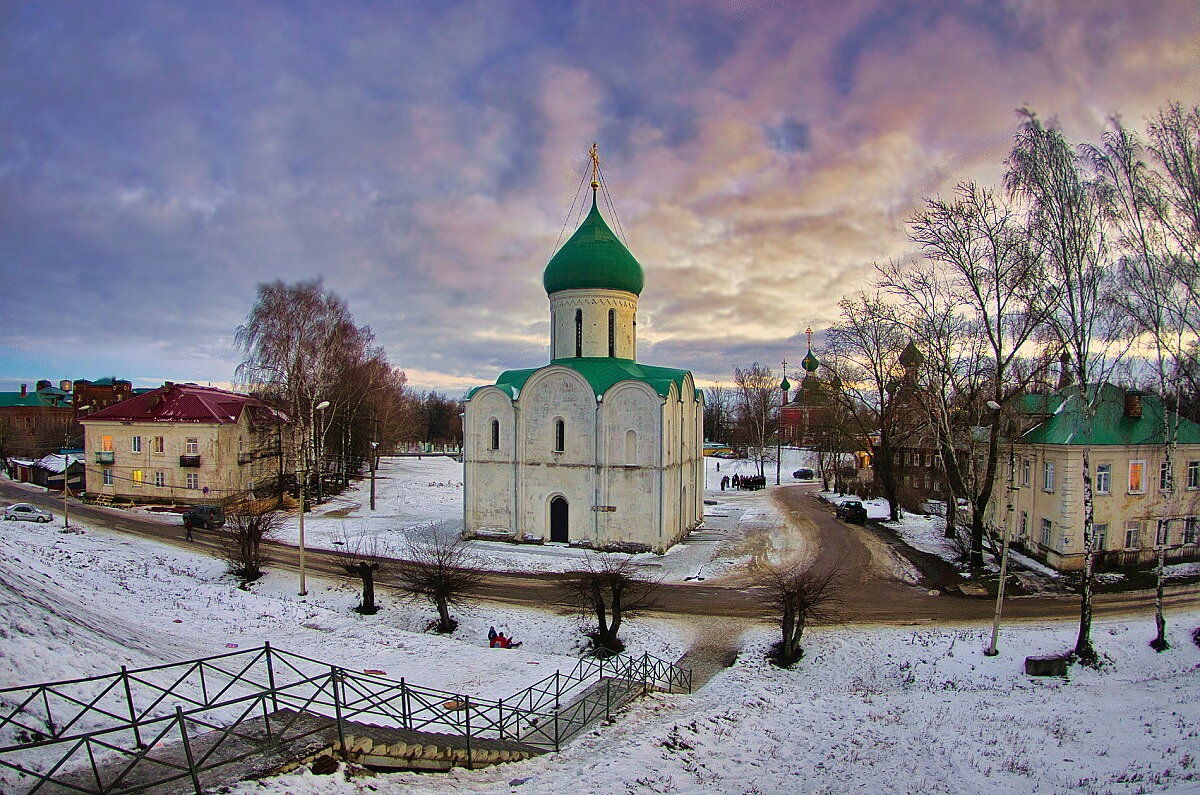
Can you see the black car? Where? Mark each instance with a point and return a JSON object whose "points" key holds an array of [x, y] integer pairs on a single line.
{"points": [[804, 473], [210, 517], [852, 511]]}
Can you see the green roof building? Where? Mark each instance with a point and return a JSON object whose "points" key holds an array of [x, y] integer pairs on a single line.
{"points": [[593, 448], [1141, 498]]}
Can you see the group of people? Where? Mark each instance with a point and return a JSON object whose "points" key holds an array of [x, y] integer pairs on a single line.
{"points": [[744, 482], [498, 640]]}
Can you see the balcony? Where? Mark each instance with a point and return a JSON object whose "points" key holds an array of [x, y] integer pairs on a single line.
{"points": [[104, 457], [189, 460]]}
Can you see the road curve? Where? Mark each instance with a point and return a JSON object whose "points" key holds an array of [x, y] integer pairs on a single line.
{"points": [[872, 595]]}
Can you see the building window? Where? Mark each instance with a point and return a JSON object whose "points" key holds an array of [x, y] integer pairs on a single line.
{"points": [[1103, 478], [1100, 534], [1166, 478], [1163, 533], [578, 333], [106, 444], [495, 441], [193, 447], [1026, 471], [1193, 475], [929, 459], [1024, 525], [136, 476], [160, 479], [193, 480], [1137, 477], [560, 436], [1048, 476], [108, 477], [1045, 539], [135, 445], [1133, 531], [1191, 530], [159, 445], [612, 332]]}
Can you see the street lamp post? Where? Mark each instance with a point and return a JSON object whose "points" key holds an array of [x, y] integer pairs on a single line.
{"points": [[991, 650], [302, 472], [784, 387], [374, 445]]}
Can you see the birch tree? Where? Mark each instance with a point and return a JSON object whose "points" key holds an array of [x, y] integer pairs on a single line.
{"points": [[757, 397]]}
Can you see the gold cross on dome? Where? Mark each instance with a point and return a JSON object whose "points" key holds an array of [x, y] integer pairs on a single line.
{"points": [[594, 152]]}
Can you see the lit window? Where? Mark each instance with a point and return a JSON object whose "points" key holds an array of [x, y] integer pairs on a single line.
{"points": [[1048, 476], [136, 445], [136, 476], [1137, 477], [193, 480], [106, 444], [193, 447], [1104, 478]]}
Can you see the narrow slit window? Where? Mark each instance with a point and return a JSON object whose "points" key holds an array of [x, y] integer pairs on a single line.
{"points": [[560, 436], [495, 434], [612, 333], [578, 333]]}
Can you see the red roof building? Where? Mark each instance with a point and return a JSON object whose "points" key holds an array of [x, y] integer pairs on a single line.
{"points": [[183, 443]]}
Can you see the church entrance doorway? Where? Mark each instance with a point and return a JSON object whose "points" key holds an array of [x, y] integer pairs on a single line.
{"points": [[558, 520]]}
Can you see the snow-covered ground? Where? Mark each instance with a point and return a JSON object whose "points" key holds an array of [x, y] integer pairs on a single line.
{"points": [[909, 709]]}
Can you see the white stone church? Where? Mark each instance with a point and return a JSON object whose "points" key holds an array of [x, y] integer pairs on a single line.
{"points": [[593, 446]]}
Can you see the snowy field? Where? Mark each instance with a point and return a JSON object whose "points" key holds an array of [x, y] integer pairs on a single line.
{"points": [[913, 709]]}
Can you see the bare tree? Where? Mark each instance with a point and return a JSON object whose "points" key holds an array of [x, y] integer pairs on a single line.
{"points": [[718, 410], [1067, 229], [757, 390], [793, 595], [609, 590], [241, 538], [974, 304], [864, 350], [438, 570], [361, 556]]}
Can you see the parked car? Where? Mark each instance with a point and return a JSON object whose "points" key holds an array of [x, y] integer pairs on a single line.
{"points": [[803, 473], [852, 511], [24, 512], [210, 517]]}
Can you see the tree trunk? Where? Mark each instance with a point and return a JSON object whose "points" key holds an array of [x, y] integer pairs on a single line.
{"points": [[446, 624], [1160, 621], [1083, 643], [368, 598]]}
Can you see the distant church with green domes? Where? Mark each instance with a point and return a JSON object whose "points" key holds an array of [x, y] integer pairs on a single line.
{"points": [[593, 447]]}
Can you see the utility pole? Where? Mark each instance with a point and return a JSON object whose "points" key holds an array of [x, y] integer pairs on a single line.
{"points": [[784, 387]]}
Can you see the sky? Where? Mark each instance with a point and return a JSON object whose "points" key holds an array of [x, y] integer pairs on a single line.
{"points": [[159, 161]]}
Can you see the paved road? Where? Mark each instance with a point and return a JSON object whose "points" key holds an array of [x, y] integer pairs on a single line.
{"points": [[872, 594]]}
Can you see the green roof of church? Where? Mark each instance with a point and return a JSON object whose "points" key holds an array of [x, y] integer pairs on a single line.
{"points": [[601, 373], [1108, 425], [810, 362], [593, 258]]}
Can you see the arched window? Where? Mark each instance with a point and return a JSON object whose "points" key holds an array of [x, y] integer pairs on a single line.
{"points": [[630, 448], [612, 333], [495, 435], [578, 333], [560, 436]]}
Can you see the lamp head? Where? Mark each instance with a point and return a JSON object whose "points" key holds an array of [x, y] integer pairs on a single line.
{"points": [[324, 404]]}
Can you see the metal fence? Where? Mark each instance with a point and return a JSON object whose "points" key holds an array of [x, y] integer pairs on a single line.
{"points": [[131, 730]]}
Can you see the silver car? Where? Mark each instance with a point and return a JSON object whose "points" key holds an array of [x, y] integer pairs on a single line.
{"points": [[24, 512]]}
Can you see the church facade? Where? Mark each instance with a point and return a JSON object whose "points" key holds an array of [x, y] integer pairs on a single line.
{"points": [[593, 447]]}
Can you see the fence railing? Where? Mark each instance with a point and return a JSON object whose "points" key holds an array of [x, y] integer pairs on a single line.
{"points": [[123, 732]]}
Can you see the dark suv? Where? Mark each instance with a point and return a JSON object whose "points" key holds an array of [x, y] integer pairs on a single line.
{"points": [[209, 517], [852, 511]]}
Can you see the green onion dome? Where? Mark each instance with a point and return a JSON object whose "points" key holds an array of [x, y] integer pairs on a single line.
{"points": [[810, 362], [593, 258]]}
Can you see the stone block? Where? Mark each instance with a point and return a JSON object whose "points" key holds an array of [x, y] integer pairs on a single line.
{"points": [[1054, 665]]}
